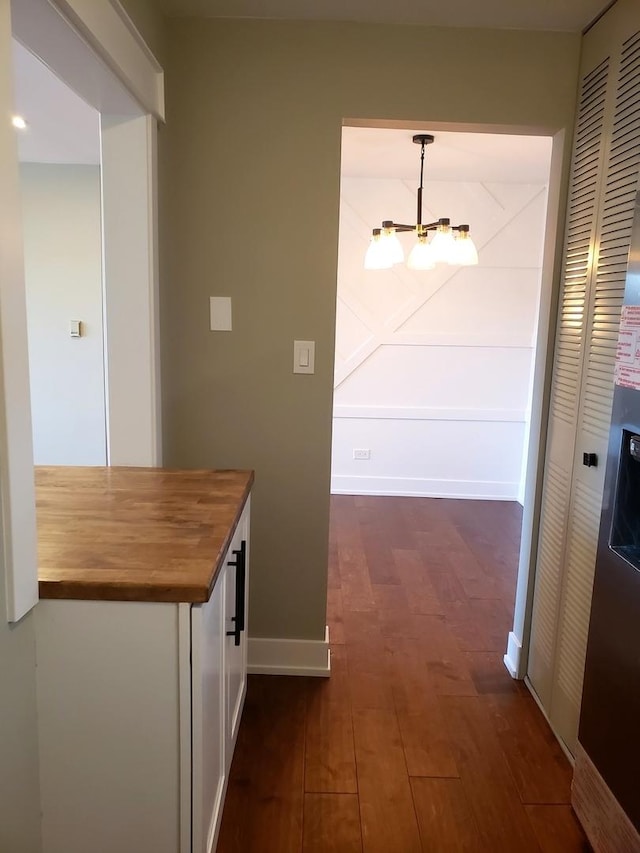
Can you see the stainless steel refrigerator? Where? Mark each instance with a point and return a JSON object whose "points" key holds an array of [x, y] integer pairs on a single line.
{"points": [[606, 788]]}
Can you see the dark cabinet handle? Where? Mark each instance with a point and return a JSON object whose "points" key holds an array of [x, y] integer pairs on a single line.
{"points": [[590, 460], [238, 618]]}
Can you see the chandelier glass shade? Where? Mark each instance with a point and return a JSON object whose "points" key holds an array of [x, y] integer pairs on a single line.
{"points": [[449, 244], [421, 256]]}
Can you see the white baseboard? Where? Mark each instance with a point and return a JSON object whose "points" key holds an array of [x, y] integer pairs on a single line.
{"points": [[267, 656], [342, 484], [513, 655]]}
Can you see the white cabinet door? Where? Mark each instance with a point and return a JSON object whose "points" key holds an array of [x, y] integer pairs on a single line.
{"points": [[207, 719], [571, 334], [236, 601], [621, 168]]}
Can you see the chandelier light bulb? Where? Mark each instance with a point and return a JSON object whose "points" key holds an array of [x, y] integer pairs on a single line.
{"points": [[19, 122], [466, 252], [443, 245], [377, 256], [421, 256], [392, 245]]}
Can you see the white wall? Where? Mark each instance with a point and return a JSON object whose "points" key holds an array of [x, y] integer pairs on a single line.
{"points": [[131, 304], [433, 369], [63, 271]]}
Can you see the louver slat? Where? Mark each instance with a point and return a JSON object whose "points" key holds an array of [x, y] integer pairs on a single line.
{"points": [[565, 391], [619, 199], [548, 578], [582, 196]]}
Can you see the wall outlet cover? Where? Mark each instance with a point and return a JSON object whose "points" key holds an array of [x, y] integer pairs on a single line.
{"points": [[361, 453], [220, 313]]}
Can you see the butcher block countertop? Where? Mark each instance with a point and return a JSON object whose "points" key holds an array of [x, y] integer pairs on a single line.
{"points": [[135, 534]]}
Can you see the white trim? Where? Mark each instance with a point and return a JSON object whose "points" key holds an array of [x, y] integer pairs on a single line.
{"points": [[46, 32], [451, 339], [184, 698], [17, 494], [430, 413], [512, 657], [538, 402], [154, 292], [268, 656], [130, 283], [425, 488], [110, 32]]}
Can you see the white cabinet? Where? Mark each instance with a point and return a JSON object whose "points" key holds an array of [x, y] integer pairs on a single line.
{"points": [[218, 686], [139, 706], [208, 754], [604, 181]]}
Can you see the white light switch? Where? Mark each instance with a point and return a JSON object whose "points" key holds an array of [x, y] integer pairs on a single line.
{"points": [[220, 313], [75, 328], [304, 356]]}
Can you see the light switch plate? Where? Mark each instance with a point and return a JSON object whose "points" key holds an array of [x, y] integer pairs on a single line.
{"points": [[220, 313], [304, 356]]}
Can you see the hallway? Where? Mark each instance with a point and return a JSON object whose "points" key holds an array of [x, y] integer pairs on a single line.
{"points": [[420, 740]]}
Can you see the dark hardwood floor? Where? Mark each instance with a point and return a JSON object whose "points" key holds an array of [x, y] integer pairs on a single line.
{"points": [[419, 741]]}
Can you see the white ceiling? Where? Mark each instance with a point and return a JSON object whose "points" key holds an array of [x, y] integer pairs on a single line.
{"points": [[62, 128], [484, 157], [569, 15]]}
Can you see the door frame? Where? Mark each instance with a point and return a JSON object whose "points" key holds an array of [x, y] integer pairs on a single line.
{"points": [[516, 654]]}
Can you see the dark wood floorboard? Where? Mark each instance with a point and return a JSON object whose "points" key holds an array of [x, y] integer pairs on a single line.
{"points": [[420, 740], [557, 829], [264, 806], [330, 764], [486, 777], [332, 824], [445, 818], [387, 815]]}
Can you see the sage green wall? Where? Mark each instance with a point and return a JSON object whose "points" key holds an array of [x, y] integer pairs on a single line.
{"points": [[148, 18], [249, 209], [19, 783]]}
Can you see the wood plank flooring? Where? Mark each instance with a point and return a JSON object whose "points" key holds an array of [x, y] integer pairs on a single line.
{"points": [[419, 741]]}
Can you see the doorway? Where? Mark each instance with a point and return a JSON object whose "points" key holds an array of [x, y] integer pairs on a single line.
{"points": [[436, 371], [59, 152], [129, 96]]}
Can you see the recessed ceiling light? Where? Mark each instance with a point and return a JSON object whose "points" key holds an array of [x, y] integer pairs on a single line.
{"points": [[18, 122]]}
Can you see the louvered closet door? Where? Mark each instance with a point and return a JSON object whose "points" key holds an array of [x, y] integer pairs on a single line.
{"points": [[569, 355], [622, 161]]}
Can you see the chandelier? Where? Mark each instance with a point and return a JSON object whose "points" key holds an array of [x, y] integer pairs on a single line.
{"points": [[449, 244]]}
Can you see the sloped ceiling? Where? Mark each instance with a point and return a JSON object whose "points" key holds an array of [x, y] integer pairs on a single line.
{"points": [[62, 128]]}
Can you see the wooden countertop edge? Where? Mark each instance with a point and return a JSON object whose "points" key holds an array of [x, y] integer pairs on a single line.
{"points": [[119, 591], [147, 592]]}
